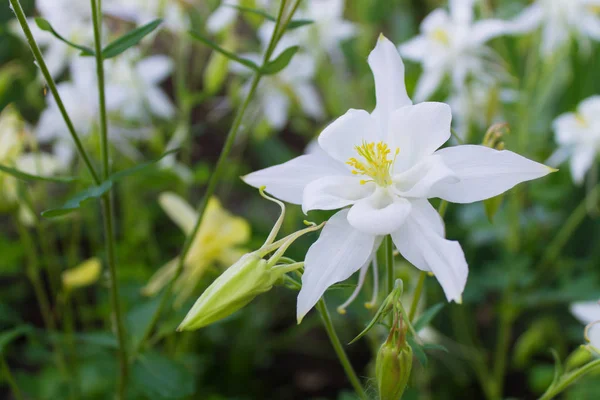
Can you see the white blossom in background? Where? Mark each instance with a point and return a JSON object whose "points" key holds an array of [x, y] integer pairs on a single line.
{"points": [[561, 20], [71, 19], [136, 83], [276, 93], [132, 95], [453, 44], [578, 137], [223, 17], [174, 13], [589, 313], [380, 169]]}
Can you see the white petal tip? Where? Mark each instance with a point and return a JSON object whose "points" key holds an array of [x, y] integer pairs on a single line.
{"points": [[300, 318], [341, 311], [552, 169]]}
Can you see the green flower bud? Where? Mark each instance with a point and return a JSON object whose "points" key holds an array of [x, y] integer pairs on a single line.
{"points": [[392, 369], [234, 289]]}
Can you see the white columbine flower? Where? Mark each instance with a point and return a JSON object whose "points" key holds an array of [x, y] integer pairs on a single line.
{"points": [[578, 137], [561, 20], [381, 168], [589, 314], [452, 43]]}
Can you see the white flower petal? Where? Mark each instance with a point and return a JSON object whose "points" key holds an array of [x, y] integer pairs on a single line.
{"points": [[287, 181], [420, 242], [484, 173], [529, 19], [159, 103], [586, 311], [414, 49], [339, 252], [461, 10], [428, 82], [418, 131], [581, 161], [388, 72], [379, 214], [154, 69], [340, 137], [418, 180], [221, 18], [594, 336], [488, 29], [333, 192], [590, 24], [179, 211], [275, 107], [309, 100]]}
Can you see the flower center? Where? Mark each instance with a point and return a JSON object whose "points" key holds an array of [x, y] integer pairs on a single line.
{"points": [[581, 120], [373, 162], [594, 9], [440, 35]]}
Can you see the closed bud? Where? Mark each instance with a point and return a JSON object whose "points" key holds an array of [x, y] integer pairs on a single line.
{"points": [[234, 289], [392, 368]]}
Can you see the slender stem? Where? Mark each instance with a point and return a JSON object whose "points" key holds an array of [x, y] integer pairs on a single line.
{"points": [[339, 349], [502, 344], [389, 264], [212, 183], [10, 379], [417, 296], [107, 204], [97, 24], [18, 10], [569, 379]]}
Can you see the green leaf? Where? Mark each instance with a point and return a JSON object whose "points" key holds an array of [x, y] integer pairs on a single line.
{"points": [[281, 61], [418, 351], [139, 319], [7, 337], [95, 192], [492, 206], [29, 177], [298, 23], [383, 310], [158, 377], [221, 50], [75, 202], [45, 26], [255, 11], [130, 39], [427, 316], [434, 346], [558, 367]]}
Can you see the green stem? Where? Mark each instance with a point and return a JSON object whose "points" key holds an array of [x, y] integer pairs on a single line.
{"points": [[389, 264], [37, 54], [339, 349], [569, 379], [212, 184], [502, 345], [10, 379], [107, 204], [417, 296]]}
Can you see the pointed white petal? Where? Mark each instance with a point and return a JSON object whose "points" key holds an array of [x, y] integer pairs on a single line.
{"points": [[179, 211], [340, 137], [275, 106], [417, 181], [420, 242], [418, 131], [488, 29], [529, 19], [221, 18], [591, 25], [287, 181], [581, 161], [154, 69], [159, 103], [333, 192], [339, 252], [484, 173], [461, 10], [388, 72], [379, 214], [586, 311], [428, 82], [309, 100], [414, 49]]}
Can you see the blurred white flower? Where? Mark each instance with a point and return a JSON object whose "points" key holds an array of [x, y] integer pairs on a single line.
{"points": [[578, 136], [132, 94], [223, 17], [174, 13], [276, 93], [589, 313], [453, 43], [561, 20], [385, 165]]}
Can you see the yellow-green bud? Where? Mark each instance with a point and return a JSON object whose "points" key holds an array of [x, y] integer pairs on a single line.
{"points": [[232, 290], [392, 370]]}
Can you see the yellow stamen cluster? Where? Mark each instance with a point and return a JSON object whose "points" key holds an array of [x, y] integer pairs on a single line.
{"points": [[440, 35], [594, 9], [377, 163], [581, 120]]}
